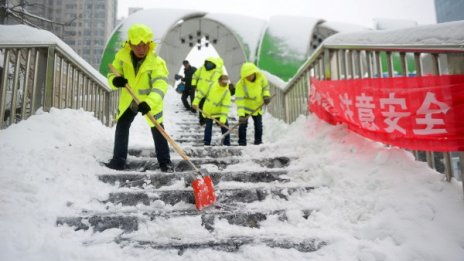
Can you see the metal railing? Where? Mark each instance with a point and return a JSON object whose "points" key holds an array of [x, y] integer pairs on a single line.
{"points": [[34, 76], [332, 61]]}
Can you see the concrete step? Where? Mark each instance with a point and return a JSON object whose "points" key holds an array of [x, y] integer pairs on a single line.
{"points": [[199, 136], [224, 196], [220, 163], [231, 244], [196, 152], [129, 222], [100, 223], [158, 180]]}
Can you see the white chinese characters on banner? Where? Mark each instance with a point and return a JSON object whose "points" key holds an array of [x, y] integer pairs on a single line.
{"points": [[426, 110], [393, 109], [345, 104], [323, 99], [417, 113], [366, 114], [392, 116]]}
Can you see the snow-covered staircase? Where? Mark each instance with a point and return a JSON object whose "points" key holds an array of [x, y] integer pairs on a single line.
{"points": [[156, 210]]}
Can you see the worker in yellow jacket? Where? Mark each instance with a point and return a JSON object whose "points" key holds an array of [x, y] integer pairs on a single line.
{"points": [[252, 90], [204, 78], [217, 106], [146, 73]]}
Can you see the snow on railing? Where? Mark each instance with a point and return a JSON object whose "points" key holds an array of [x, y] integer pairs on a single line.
{"points": [[412, 52]]}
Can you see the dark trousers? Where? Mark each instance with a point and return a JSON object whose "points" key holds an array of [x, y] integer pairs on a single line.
{"points": [[209, 130], [200, 105], [242, 130], [189, 92], [121, 139]]}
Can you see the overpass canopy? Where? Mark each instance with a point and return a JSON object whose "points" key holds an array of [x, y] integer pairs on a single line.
{"points": [[279, 45]]}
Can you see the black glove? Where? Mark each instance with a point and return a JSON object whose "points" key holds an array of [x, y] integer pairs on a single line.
{"points": [[242, 120], [143, 108], [119, 81], [178, 77], [267, 100], [232, 89]]}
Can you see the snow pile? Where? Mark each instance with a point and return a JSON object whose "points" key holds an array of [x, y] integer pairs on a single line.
{"points": [[390, 24], [370, 202], [47, 162], [379, 203], [440, 34]]}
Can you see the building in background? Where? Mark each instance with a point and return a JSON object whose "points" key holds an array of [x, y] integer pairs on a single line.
{"points": [[449, 10], [84, 25]]}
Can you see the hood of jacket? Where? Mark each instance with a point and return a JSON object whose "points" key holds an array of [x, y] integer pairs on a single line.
{"points": [[248, 69], [217, 61], [140, 33]]}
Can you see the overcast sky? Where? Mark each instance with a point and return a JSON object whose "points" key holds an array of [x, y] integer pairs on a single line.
{"points": [[361, 12]]}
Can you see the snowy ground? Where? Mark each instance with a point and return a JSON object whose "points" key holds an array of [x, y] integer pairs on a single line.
{"points": [[374, 203]]}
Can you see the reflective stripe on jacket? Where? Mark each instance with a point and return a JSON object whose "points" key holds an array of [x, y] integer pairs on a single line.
{"points": [[217, 103], [149, 84], [204, 79], [249, 95]]}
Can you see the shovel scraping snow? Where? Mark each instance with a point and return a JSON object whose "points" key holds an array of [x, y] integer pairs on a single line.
{"points": [[203, 189]]}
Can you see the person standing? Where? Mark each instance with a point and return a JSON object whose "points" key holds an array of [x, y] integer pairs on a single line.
{"points": [[252, 90], [140, 67], [203, 79], [217, 106], [187, 80]]}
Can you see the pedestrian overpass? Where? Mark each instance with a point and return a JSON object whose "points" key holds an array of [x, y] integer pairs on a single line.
{"points": [[42, 71]]}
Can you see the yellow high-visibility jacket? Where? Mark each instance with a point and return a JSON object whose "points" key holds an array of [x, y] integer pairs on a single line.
{"points": [[149, 84], [249, 95], [204, 79], [217, 104]]}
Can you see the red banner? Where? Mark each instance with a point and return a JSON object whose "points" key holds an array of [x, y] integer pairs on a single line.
{"points": [[417, 113]]}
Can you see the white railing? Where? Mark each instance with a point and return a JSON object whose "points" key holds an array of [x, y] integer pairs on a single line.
{"points": [[349, 57], [44, 75]]}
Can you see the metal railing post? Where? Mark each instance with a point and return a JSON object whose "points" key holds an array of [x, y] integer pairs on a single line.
{"points": [[4, 86], [49, 79], [15, 87], [26, 83], [35, 80]]}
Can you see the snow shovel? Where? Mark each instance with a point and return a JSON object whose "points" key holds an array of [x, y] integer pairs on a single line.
{"points": [[238, 124], [203, 189], [214, 119]]}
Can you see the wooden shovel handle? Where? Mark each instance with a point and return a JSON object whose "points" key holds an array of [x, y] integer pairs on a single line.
{"points": [[176, 147], [238, 124], [214, 119]]}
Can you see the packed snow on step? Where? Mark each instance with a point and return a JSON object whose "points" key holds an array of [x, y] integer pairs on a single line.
{"points": [[370, 202]]}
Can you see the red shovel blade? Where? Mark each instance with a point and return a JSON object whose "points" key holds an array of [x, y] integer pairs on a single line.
{"points": [[203, 192]]}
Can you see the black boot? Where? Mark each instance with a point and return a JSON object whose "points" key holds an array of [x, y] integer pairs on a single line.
{"points": [[167, 167], [116, 164]]}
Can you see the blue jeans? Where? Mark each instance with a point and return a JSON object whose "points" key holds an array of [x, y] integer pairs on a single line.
{"points": [[121, 139], [242, 131], [209, 129]]}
